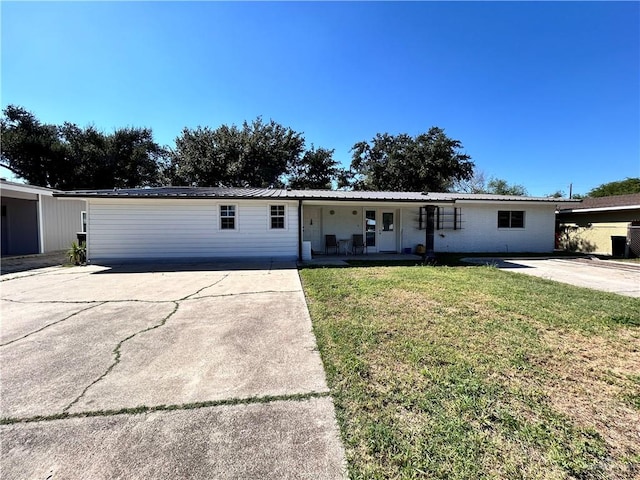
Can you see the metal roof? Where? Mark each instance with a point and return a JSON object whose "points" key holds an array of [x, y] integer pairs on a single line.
{"points": [[335, 195]]}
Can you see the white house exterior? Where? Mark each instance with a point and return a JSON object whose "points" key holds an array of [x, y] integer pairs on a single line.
{"points": [[191, 222], [137, 228], [34, 221]]}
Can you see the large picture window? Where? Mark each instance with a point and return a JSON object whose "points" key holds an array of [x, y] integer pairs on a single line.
{"points": [[227, 217], [277, 213], [510, 219]]}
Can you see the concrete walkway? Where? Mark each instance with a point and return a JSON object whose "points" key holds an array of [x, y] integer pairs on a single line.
{"points": [[607, 276], [163, 371]]}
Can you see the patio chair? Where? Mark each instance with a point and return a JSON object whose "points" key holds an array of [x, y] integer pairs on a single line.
{"points": [[358, 243], [330, 242]]}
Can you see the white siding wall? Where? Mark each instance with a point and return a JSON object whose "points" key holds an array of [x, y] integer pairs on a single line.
{"points": [[167, 228], [480, 232], [343, 223], [62, 221]]}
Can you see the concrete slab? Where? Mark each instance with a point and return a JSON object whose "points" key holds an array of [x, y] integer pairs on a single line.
{"points": [[284, 440], [216, 348], [45, 372], [621, 281], [20, 319], [110, 285], [83, 340], [254, 281]]}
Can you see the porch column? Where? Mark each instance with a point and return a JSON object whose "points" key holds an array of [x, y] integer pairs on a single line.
{"points": [[430, 230], [300, 224], [40, 225]]}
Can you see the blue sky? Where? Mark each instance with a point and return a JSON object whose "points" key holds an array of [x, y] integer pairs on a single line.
{"points": [[540, 94]]}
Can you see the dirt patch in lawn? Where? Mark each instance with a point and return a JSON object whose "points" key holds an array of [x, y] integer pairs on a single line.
{"points": [[596, 382]]}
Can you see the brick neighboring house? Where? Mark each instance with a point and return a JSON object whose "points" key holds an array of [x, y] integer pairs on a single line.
{"points": [[604, 225]]}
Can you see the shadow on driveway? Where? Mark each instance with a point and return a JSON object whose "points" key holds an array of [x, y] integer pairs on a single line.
{"points": [[31, 262]]}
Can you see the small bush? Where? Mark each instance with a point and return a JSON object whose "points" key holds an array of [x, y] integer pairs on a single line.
{"points": [[78, 253]]}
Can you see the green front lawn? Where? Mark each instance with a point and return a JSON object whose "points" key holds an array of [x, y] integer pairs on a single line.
{"points": [[473, 372]]}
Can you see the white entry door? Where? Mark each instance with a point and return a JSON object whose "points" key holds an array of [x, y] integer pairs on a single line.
{"points": [[312, 228], [387, 232]]}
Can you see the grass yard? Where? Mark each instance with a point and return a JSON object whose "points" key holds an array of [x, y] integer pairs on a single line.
{"points": [[473, 372]]}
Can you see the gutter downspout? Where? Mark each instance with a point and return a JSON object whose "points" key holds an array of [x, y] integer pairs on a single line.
{"points": [[300, 230]]}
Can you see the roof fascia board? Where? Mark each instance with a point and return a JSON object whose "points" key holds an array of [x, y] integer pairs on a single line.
{"points": [[502, 202], [6, 187], [600, 209], [360, 203], [218, 198]]}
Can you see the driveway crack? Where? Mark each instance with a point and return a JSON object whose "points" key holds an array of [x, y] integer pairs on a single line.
{"points": [[258, 292], [116, 353], [204, 288], [142, 409], [53, 323]]}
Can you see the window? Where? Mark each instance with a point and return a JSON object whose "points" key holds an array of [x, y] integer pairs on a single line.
{"points": [[371, 228], [277, 216], [227, 217], [387, 221], [83, 221], [510, 219]]}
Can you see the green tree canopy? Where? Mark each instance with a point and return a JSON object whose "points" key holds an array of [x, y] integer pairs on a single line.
{"points": [[428, 162], [69, 157], [30, 149], [258, 154], [622, 187], [316, 170]]}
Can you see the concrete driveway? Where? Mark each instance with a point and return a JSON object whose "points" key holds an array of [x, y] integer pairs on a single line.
{"points": [[176, 371], [607, 276]]}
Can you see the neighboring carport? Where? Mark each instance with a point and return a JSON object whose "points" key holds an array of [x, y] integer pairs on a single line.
{"points": [[33, 221], [20, 234]]}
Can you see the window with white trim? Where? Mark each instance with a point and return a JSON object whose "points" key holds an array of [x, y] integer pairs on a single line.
{"points": [[510, 219], [83, 221], [277, 215], [227, 217]]}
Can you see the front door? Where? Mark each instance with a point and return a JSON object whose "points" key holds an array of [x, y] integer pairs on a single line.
{"points": [[387, 232]]}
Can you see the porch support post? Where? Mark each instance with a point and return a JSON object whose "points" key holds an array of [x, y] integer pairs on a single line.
{"points": [[430, 230], [40, 224], [300, 230]]}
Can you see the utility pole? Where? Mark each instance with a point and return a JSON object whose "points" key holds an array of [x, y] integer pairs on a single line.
{"points": [[570, 191]]}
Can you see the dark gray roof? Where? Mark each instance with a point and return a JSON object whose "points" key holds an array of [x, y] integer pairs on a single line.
{"points": [[336, 195], [612, 203]]}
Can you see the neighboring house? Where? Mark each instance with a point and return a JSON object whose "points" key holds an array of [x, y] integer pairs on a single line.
{"points": [[182, 222], [590, 225], [33, 221]]}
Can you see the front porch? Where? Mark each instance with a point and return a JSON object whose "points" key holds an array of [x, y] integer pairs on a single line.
{"points": [[385, 228]]}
